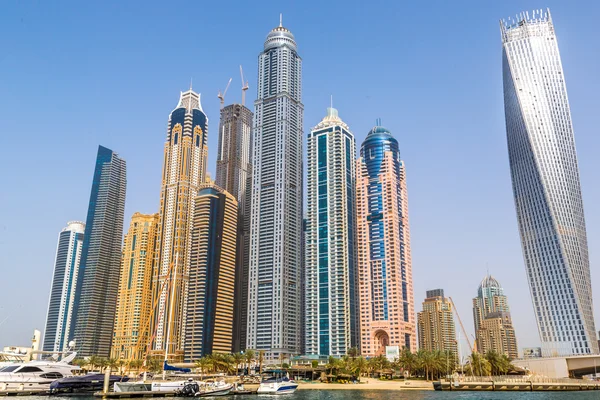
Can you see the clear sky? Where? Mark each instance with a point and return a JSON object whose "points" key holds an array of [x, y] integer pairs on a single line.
{"points": [[74, 75]]}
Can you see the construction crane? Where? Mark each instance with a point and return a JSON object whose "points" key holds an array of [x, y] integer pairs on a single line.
{"points": [[244, 86], [462, 327], [222, 96]]}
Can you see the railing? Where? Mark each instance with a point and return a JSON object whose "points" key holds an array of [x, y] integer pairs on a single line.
{"points": [[515, 379]]}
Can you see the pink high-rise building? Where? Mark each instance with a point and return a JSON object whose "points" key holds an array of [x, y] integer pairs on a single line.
{"points": [[383, 240]]}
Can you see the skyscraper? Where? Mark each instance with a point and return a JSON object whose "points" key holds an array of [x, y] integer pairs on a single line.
{"points": [[210, 321], [98, 278], [64, 283], [132, 329], [234, 174], [436, 324], [274, 298], [184, 170], [493, 325], [383, 243], [547, 191], [331, 285]]}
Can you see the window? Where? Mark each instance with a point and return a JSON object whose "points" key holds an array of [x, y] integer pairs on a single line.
{"points": [[29, 369], [52, 375]]}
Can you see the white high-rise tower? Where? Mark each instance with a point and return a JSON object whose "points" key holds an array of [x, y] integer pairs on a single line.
{"points": [[274, 295], [545, 177]]}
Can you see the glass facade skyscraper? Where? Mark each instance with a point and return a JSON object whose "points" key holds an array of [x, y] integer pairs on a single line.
{"points": [[274, 298], [330, 262], [98, 278], [64, 284], [546, 186], [383, 242]]}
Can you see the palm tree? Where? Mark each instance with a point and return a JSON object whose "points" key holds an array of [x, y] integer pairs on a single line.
{"points": [[359, 366], [261, 358], [408, 361], [427, 361], [353, 352], [113, 363], [238, 358], [135, 364], [478, 365], [93, 362], [102, 363], [281, 358], [203, 364], [249, 357], [499, 363]]}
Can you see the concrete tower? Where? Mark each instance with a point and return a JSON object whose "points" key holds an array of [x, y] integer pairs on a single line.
{"points": [[209, 328], [234, 174], [133, 328], [274, 298], [493, 325]]}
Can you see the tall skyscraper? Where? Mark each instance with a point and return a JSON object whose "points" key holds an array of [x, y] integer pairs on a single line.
{"points": [[383, 244], [234, 174], [436, 324], [184, 170], [547, 191], [331, 285], [64, 283], [98, 278], [132, 329], [493, 324], [209, 327], [274, 299]]}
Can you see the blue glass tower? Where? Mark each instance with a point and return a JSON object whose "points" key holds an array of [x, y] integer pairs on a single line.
{"points": [[98, 278], [383, 242]]}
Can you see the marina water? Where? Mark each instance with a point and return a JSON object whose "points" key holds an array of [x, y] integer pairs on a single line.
{"points": [[393, 395]]}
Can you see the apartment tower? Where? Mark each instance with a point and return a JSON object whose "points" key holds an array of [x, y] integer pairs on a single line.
{"points": [[274, 296], [98, 278], [184, 169], [64, 284], [132, 329], [437, 331], [493, 325], [210, 310], [234, 174], [383, 243], [546, 186], [331, 286]]}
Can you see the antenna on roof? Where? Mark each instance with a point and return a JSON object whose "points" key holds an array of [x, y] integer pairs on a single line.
{"points": [[191, 79], [280, 20], [331, 101]]}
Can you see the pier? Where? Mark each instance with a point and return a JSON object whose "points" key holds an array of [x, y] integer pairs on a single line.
{"points": [[515, 384]]}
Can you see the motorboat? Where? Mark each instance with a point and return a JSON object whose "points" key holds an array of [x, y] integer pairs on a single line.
{"points": [[139, 386], [277, 385], [205, 389], [36, 375], [84, 383]]}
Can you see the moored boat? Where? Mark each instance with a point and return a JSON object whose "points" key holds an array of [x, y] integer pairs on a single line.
{"points": [[84, 383], [36, 375], [277, 385]]}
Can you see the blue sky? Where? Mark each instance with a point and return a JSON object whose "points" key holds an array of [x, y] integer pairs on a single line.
{"points": [[77, 74]]}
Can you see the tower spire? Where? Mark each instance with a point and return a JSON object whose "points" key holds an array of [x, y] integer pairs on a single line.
{"points": [[280, 20], [191, 79]]}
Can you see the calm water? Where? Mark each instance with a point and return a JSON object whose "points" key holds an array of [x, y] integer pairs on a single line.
{"points": [[390, 394]]}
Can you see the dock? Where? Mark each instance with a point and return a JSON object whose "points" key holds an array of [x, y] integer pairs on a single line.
{"points": [[516, 384], [30, 392]]}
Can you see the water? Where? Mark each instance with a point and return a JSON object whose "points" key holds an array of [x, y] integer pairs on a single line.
{"points": [[387, 394]]}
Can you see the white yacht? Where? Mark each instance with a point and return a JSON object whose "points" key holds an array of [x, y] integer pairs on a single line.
{"points": [[35, 375], [276, 385]]}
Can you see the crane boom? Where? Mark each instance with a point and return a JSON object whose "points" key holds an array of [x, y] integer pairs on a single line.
{"points": [[462, 327], [222, 96], [244, 86]]}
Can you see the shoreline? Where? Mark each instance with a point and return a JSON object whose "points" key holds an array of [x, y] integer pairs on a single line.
{"points": [[369, 384]]}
